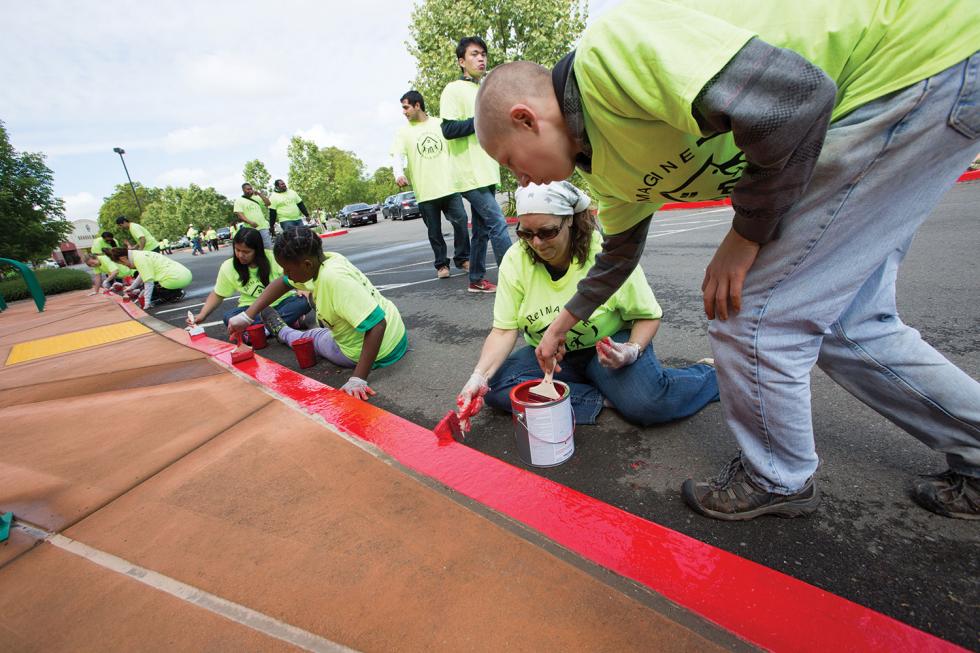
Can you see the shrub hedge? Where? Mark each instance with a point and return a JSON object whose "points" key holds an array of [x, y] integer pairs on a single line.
{"points": [[52, 282]]}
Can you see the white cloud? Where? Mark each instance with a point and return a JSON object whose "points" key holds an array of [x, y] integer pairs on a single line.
{"points": [[82, 205], [182, 177], [317, 133], [227, 73], [226, 181], [200, 138]]}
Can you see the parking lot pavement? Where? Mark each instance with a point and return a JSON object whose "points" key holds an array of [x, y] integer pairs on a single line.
{"points": [[867, 542]]}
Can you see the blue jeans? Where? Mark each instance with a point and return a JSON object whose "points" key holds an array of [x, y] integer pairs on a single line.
{"points": [[488, 224], [644, 393], [824, 291], [452, 206], [197, 246], [289, 310]]}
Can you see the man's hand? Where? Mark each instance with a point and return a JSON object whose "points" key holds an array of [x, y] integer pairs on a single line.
{"points": [[551, 349], [470, 399], [359, 388], [725, 275], [402, 181], [614, 355]]}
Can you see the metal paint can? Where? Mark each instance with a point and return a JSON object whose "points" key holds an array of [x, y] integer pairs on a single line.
{"points": [[544, 429]]}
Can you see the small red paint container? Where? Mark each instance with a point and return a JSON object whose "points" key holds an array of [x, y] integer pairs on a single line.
{"points": [[305, 352], [256, 336]]}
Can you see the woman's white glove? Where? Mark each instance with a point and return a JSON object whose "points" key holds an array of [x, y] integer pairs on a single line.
{"points": [[615, 355], [470, 398], [359, 388], [107, 284], [238, 323]]}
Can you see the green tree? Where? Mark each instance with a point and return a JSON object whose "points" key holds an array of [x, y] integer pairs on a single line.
{"points": [[542, 31], [175, 208], [122, 202], [381, 185], [532, 30], [256, 174], [33, 218], [326, 178]]}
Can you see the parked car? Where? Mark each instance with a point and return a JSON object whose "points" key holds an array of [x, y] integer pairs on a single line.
{"points": [[183, 241], [386, 206], [405, 207], [359, 213], [224, 233]]}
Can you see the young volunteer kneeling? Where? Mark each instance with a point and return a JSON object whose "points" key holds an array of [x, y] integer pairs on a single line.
{"points": [[366, 330], [105, 272], [558, 247], [161, 278], [248, 272]]}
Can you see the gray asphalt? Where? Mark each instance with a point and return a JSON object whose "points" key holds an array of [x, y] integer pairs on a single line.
{"points": [[868, 542]]}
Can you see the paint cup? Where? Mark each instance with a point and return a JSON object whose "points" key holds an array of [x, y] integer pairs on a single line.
{"points": [[544, 429], [256, 336], [305, 352]]}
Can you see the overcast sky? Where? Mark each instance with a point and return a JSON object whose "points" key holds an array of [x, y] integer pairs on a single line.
{"points": [[192, 91]]}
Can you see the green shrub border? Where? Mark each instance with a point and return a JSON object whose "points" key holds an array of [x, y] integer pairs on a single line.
{"points": [[52, 282]]}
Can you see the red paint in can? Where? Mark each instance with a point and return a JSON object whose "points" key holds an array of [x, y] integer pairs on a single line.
{"points": [[305, 352], [544, 429], [256, 336]]}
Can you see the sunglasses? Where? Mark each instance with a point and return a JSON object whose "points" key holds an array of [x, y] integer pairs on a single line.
{"points": [[542, 234]]}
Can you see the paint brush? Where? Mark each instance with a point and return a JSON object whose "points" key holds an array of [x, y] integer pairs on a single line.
{"points": [[242, 352], [546, 389], [448, 428], [194, 331]]}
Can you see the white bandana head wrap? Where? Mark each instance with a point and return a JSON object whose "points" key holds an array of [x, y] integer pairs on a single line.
{"points": [[556, 198]]}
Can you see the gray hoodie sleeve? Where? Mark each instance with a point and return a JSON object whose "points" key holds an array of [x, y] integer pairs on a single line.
{"points": [[613, 265], [777, 106]]}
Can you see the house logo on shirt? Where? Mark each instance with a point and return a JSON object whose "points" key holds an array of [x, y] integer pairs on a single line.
{"points": [[429, 147]]}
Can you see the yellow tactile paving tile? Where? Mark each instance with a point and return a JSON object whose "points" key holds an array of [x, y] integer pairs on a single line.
{"points": [[54, 345]]}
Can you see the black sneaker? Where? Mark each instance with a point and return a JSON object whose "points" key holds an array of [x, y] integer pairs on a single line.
{"points": [[273, 321], [733, 496], [949, 494]]}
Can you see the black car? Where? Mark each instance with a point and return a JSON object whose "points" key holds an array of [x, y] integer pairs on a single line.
{"points": [[355, 214], [405, 207], [386, 206]]}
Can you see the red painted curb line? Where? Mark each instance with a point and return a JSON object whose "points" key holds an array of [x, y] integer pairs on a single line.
{"points": [[331, 234], [673, 206], [757, 604]]}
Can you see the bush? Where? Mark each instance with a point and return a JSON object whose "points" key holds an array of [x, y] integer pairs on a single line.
{"points": [[52, 282]]}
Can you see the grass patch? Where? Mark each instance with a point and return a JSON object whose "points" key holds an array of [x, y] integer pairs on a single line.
{"points": [[52, 282]]}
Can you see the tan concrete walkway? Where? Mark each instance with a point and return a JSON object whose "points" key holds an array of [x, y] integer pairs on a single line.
{"points": [[166, 502]]}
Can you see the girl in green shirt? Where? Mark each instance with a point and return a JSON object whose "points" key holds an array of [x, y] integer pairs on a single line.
{"points": [[364, 329], [248, 272]]}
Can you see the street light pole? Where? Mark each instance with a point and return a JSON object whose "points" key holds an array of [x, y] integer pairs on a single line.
{"points": [[120, 152]]}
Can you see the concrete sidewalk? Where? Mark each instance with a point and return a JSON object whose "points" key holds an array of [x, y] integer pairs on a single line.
{"points": [[167, 501]]}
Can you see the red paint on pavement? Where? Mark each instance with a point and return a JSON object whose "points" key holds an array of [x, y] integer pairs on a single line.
{"points": [[758, 604], [331, 234], [969, 175]]}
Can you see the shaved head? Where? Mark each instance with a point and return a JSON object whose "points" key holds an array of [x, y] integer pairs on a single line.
{"points": [[518, 82], [519, 123]]}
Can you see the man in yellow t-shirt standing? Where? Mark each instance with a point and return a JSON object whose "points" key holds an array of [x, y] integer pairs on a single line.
{"points": [[420, 154], [250, 208], [477, 175], [286, 206]]}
